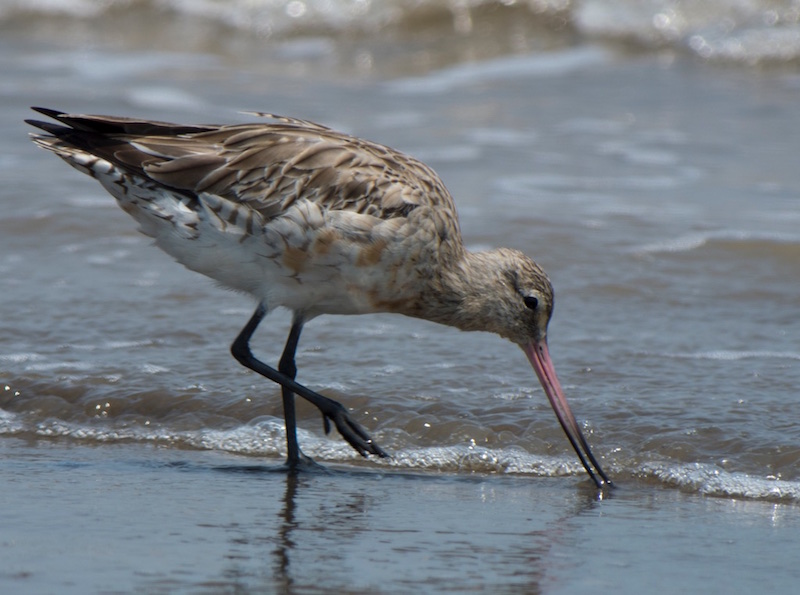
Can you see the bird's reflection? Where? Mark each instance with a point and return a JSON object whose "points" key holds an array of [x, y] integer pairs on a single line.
{"points": [[326, 515], [341, 518], [286, 527]]}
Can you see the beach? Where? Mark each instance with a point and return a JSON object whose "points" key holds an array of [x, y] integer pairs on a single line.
{"points": [[133, 518], [644, 156]]}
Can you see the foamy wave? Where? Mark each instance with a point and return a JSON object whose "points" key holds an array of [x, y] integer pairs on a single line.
{"points": [[726, 355], [20, 357], [712, 481], [746, 31], [267, 17], [10, 423], [500, 69], [472, 459], [266, 438], [693, 241]]}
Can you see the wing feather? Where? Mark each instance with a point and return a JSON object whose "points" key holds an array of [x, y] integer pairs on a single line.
{"points": [[265, 166]]}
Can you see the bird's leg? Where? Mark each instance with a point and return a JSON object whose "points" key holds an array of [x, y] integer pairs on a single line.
{"points": [[331, 410], [288, 368]]}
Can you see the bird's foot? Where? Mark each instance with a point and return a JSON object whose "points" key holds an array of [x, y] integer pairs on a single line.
{"points": [[302, 463], [355, 435]]}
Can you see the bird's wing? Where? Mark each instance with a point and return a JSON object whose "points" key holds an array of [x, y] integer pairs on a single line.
{"points": [[270, 167], [266, 167]]}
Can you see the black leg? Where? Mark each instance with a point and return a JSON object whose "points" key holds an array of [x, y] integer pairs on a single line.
{"points": [[331, 410], [288, 368]]}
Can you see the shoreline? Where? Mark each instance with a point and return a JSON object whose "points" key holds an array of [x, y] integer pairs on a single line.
{"points": [[134, 518]]}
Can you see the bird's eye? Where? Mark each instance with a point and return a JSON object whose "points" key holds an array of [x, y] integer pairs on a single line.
{"points": [[531, 302]]}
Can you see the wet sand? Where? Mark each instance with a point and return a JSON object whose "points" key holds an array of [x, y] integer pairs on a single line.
{"points": [[127, 518]]}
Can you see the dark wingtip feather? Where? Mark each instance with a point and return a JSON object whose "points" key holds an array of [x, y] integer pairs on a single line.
{"points": [[50, 127], [112, 125], [53, 129], [45, 111]]}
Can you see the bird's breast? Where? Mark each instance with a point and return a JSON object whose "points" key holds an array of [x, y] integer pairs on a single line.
{"points": [[347, 263]]}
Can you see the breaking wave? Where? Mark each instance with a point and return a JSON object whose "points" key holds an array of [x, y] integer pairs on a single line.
{"points": [[747, 32], [265, 438]]}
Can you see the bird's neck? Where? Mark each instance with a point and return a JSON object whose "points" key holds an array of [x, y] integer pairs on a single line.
{"points": [[464, 295]]}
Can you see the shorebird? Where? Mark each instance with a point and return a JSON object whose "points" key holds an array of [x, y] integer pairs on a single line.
{"points": [[318, 222]]}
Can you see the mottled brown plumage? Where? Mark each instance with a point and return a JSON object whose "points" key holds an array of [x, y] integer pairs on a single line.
{"points": [[319, 222]]}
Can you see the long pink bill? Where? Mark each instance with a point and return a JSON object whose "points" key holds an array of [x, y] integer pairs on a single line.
{"points": [[539, 356]]}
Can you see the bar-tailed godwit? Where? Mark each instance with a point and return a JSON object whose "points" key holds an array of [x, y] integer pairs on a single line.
{"points": [[318, 222]]}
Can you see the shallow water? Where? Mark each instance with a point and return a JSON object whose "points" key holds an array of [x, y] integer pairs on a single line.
{"points": [[132, 518], [658, 189]]}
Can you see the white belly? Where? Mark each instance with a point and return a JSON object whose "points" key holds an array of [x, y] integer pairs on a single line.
{"points": [[306, 260]]}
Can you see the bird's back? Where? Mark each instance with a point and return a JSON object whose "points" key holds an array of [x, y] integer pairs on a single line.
{"points": [[288, 210]]}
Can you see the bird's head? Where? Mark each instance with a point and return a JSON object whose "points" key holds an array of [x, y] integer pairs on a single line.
{"points": [[505, 292], [509, 294]]}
